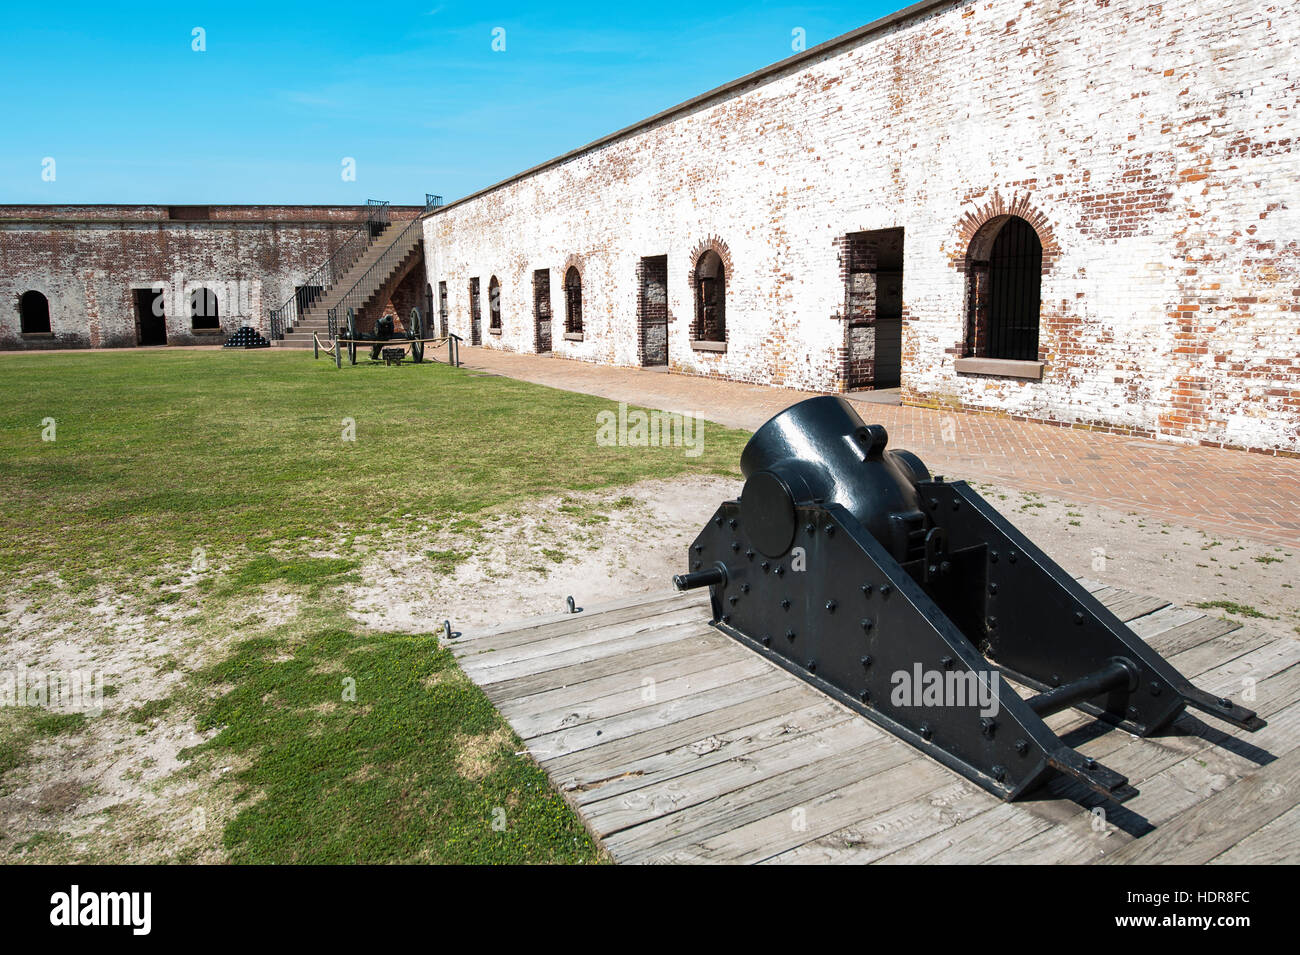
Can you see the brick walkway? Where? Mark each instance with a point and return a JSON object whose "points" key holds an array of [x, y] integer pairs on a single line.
{"points": [[1227, 492]]}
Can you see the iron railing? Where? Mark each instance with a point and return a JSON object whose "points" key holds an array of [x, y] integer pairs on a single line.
{"points": [[361, 291], [319, 281]]}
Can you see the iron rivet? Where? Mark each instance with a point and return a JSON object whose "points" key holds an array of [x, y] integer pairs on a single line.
{"points": [[750, 553], [993, 588], [993, 623], [926, 732], [866, 623], [1012, 557], [866, 662], [1078, 616], [811, 528], [726, 618], [999, 773], [744, 588], [830, 530], [1155, 689], [1055, 679], [789, 634], [779, 570], [865, 696], [885, 590], [732, 523], [785, 603], [947, 662], [1225, 703], [732, 599], [866, 590], [812, 666], [735, 545], [765, 565], [993, 557], [698, 548], [1022, 747], [830, 606], [767, 640]]}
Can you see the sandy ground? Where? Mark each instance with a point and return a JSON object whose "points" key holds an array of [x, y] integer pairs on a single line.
{"points": [[118, 789], [526, 562]]}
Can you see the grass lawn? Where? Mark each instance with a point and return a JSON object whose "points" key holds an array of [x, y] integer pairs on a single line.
{"points": [[198, 479]]}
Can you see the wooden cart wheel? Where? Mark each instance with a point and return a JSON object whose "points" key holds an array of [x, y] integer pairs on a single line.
{"points": [[417, 333]]}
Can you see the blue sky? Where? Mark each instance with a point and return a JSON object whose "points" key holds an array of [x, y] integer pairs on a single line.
{"points": [[413, 92]]}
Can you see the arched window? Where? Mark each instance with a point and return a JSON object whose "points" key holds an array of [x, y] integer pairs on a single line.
{"points": [[494, 305], [573, 301], [1004, 269], [34, 313], [710, 298], [203, 309]]}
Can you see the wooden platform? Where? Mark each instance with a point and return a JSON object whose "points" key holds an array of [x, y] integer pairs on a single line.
{"points": [[676, 744]]}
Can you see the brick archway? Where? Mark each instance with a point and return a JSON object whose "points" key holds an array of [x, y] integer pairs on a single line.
{"points": [[977, 230], [709, 324]]}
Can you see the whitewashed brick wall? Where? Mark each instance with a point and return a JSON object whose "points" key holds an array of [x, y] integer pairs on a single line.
{"points": [[1155, 141]]}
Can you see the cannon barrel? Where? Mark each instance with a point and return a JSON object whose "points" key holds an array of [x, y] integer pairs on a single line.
{"points": [[820, 450]]}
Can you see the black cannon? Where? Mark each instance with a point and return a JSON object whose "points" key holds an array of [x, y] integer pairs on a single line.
{"points": [[911, 600]]}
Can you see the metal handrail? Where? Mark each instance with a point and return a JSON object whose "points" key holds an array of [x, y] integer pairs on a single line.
{"points": [[329, 272], [388, 260]]}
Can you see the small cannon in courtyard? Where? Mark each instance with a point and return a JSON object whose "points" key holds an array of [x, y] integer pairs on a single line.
{"points": [[913, 601]]}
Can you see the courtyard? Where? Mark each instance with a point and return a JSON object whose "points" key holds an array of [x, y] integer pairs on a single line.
{"points": [[252, 556]]}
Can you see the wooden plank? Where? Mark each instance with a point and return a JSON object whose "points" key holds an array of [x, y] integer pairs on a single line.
{"points": [[491, 657], [529, 723], [614, 814], [1220, 650], [778, 793], [1129, 606], [575, 674], [874, 836], [656, 668], [829, 812], [1278, 843], [980, 839], [1191, 634], [1163, 620], [1217, 824], [630, 724], [614, 611], [708, 751], [609, 757], [488, 674]]}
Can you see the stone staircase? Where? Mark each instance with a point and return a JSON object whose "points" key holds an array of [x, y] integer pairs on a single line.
{"points": [[396, 244]]}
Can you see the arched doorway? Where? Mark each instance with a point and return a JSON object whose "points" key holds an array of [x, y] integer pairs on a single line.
{"points": [[1004, 271], [710, 298], [34, 313], [203, 310]]}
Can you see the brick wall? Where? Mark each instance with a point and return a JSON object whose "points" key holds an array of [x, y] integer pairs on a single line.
{"points": [[1149, 145], [88, 260]]}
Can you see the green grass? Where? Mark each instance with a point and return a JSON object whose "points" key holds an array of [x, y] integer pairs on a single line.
{"points": [[377, 778], [160, 454], [1231, 606]]}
